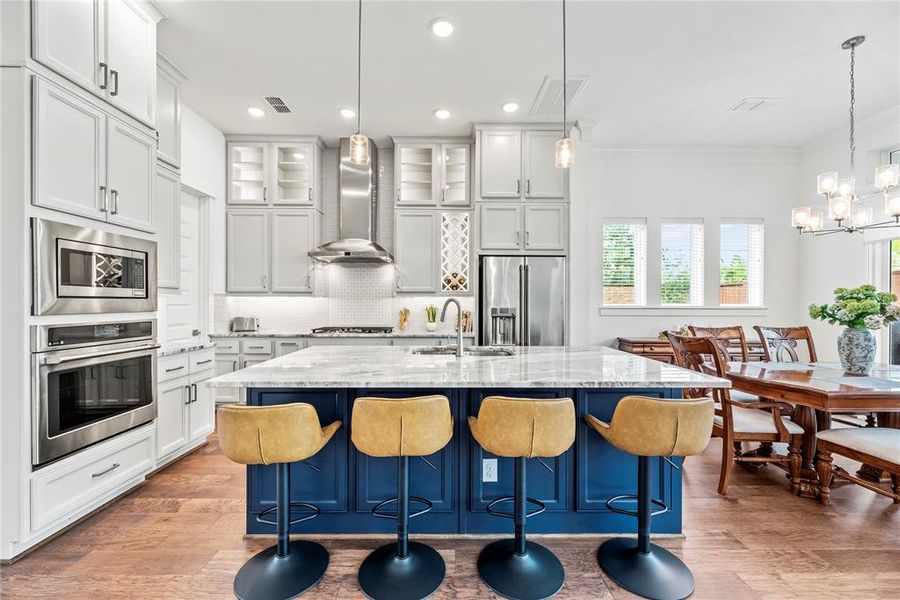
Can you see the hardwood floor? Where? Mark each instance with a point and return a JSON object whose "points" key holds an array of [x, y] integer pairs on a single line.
{"points": [[180, 536]]}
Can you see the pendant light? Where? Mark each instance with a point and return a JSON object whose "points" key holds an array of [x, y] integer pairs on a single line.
{"points": [[565, 146], [359, 144]]}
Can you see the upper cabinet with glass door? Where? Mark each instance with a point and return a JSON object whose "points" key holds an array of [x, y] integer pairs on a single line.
{"points": [[430, 173], [282, 173]]}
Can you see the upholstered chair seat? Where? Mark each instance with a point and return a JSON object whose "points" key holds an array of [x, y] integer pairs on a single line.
{"points": [[524, 427], [751, 420], [880, 442], [401, 426]]}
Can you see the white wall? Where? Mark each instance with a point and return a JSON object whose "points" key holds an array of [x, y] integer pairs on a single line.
{"points": [[686, 183], [840, 260]]}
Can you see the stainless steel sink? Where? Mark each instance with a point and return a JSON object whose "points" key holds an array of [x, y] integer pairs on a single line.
{"points": [[467, 351]]}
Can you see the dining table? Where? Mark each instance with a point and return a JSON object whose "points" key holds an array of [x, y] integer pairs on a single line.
{"points": [[819, 390]]}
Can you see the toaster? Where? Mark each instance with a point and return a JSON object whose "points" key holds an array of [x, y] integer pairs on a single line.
{"points": [[240, 324]]}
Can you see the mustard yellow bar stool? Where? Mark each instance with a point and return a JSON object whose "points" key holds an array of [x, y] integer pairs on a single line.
{"points": [[401, 427], [647, 427], [522, 428], [279, 435]]}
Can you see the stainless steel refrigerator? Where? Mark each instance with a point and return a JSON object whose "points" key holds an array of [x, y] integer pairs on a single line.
{"points": [[522, 301]]}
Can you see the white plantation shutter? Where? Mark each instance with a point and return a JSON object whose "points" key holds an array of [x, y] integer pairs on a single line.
{"points": [[741, 263], [681, 262], [624, 262]]}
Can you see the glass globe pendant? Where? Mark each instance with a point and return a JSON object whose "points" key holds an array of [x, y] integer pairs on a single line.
{"points": [[359, 149], [565, 146]]}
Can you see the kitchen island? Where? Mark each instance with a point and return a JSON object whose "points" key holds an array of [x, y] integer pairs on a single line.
{"points": [[461, 479]]}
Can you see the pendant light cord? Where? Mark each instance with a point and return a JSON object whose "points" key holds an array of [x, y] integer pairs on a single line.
{"points": [[359, 70], [852, 106], [565, 132]]}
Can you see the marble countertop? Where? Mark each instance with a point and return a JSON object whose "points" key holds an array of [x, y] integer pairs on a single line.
{"points": [[307, 334], [397, 367], [169, 349]]}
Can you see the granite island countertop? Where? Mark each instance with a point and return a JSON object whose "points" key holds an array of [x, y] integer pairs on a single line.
{"points": [[310, 334], [530, 367]]}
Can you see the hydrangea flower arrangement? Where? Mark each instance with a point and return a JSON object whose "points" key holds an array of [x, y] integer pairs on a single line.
{"points": [[858, 308]]}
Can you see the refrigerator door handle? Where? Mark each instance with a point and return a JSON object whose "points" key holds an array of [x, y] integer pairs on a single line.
{"points": [[526, 309], [521, 315]]}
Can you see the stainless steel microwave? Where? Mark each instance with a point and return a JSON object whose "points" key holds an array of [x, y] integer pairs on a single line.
{"points": [[82, 270]]}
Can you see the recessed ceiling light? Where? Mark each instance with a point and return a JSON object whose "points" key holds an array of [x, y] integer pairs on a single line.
{"points": [[348, 113], [442, 113], [256, 112], [441, 27], [510, 107]]}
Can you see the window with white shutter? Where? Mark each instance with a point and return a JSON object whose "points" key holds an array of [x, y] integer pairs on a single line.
{"points": [[681, 262], [741, 263], [625, 262]]}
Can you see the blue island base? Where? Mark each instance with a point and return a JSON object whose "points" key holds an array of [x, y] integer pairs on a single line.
{"points": [[346, 484]]}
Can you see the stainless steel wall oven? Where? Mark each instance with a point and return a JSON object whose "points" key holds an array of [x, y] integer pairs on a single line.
{"points": [[83, 270], [91, 381]]}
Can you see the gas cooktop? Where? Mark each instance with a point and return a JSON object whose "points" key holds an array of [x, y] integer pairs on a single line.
{"points": [[352, 329]]}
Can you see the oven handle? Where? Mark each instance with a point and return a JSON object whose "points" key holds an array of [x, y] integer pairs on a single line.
{"points": [[55, 360]]}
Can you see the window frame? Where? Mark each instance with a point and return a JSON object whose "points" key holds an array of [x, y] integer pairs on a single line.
{"points": [[761, 293], [697, 259], [640, 256]]}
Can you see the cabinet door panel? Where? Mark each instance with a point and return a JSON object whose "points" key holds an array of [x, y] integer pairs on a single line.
{"points": [[416, 169], [546, 227], [542, 177], [168, 118], [171, 417], [168, 227], [69, 146], [501, 164], [499, 227], [67, 39], [131, 53], [416, 250], [227, 364], [455, 168], [131, 165], [247, 251], [293, 177], [201, 408], [248, 176], [293, 236]]}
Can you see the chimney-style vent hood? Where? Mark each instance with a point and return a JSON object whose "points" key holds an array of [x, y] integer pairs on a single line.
{"points": [[357, 213]]}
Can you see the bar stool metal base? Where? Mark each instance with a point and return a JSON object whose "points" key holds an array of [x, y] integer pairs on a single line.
{"points": [[535, 575], [268, 576], [658, 574], [383, 575]]}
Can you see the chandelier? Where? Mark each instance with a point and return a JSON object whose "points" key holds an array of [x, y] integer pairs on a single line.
{"points": [[840, 193]]}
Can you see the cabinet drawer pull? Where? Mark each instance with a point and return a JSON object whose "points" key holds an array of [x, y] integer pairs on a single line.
{"points": [[105, 205], [178, 368], [517, 237], [113, 467], [203, 362], [114, 194], [256, 347], [194, 388], [105, 69], [309, 194], [528, 187], [527, 237], [290, 344], [188, 388], [234, 365], [518, 186], [115, 78]]}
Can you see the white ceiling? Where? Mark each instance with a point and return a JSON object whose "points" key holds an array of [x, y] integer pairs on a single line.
{"points": [[661, 73]]}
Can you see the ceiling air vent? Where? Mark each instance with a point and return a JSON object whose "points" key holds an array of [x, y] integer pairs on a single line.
{"points": [[548, 102], [756, 104], [277, 104]]}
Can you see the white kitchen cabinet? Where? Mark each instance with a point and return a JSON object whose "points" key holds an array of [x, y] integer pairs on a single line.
{"points": [[416, 254], [226, 363], [455, 169], [201, 408], [525, 227], [131, 164], [167, 219], [501, 163], [283, 347], [499, 226], [293, 176], [247, 251], [168, 112], [416, 171], [543, 179], [172, 416], [67, 39], [274, 174], [69, 141], [294, 234], [131, 56], [546, 226]]}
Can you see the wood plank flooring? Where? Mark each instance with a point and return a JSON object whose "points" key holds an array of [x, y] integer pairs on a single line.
{"points": [[180, 536]]}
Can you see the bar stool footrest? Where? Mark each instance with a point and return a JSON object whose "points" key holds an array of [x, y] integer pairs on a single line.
{"points": [[376, 510], [315, 510], [663, 507], [541, 507]]}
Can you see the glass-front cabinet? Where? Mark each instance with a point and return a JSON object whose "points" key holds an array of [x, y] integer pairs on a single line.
{"points": [[432, 173], [293, 178], [274, 173]]}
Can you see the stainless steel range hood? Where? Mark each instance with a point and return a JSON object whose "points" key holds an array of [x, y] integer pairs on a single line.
{"points": [[357, 213]]}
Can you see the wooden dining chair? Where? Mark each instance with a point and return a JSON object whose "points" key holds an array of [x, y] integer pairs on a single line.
{"points": [[733, 335], [739, 421], [780, 343]]}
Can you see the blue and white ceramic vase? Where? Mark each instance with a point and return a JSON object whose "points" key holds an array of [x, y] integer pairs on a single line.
{"points": [[856, 348]]}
